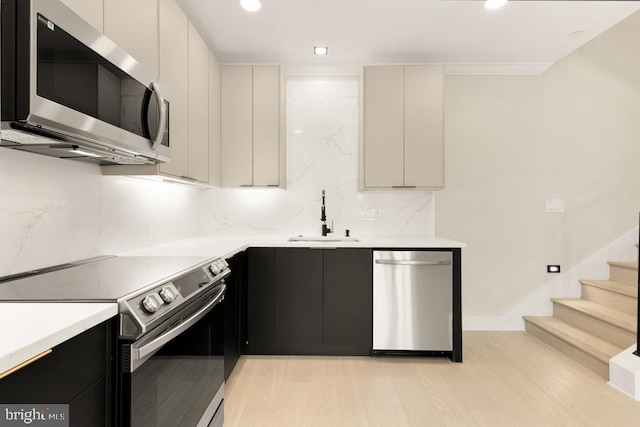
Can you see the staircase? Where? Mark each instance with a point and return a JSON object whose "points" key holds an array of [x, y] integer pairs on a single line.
{"points": [[598, 325]]}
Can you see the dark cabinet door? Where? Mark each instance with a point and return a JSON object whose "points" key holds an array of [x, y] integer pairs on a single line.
{"points": [[232, 312], [298, 301], [259, 303], [348, 301], [78, 372]]}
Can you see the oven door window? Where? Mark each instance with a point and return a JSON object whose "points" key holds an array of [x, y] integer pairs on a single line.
{"points": [[177, 384]]}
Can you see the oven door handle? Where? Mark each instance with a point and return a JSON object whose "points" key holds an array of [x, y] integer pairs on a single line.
{"points": [[154, 345]]}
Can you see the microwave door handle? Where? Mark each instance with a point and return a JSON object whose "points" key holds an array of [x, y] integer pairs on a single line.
{"points": [[153, 346], [163, 116]]}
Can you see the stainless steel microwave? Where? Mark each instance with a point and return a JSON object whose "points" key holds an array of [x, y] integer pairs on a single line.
{"points": [[68, 91]]}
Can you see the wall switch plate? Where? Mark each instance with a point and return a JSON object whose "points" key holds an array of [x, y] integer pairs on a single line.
{"points": [[555, 205], [553, 269]]}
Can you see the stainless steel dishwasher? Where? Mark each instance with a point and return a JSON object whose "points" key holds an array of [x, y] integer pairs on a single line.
{"points": [[412, 302]]}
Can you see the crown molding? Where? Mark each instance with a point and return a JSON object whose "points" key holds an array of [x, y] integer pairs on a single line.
{"points": [[503, 69]]}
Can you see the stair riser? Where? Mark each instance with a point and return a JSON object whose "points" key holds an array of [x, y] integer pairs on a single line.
{"points": [[623, 275], [571, 351], [604, 330], [613, 300]]}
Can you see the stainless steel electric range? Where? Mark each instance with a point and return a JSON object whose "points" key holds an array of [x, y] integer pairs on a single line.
{"points": [[170, 330]]}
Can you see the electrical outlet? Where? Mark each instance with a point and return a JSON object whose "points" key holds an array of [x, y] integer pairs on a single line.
{"points": [[370, 215]]}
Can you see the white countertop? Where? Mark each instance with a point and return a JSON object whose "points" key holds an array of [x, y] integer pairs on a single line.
{"points": [[28, 329], [227, 246]]}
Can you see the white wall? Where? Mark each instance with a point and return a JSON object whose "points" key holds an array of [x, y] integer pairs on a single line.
{"points": [[322, 153], [513, 142], [54, 211]]}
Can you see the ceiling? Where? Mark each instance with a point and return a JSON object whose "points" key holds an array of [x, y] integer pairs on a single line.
{"points": [[359, 32]]}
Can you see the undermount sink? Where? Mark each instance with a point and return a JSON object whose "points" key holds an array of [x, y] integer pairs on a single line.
{"points": [[301, 238]]}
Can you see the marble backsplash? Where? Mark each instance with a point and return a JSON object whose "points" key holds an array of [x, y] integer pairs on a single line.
{"points": [[54, 211], [322, 153]]}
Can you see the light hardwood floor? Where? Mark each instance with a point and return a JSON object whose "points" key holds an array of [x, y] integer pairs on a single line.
{"points": [[507, 379]]}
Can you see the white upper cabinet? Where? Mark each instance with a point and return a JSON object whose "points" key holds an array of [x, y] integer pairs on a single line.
{"points": [[133, 25], [236, 126], [214, 121], [90, 10], [383, 126], [403, 144], [198, 107], [424, 127], [189, 77], [266, 126], [252, 143], [174, 74]]}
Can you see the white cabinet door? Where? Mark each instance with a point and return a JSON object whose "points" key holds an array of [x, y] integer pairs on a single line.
{"points": [[90, 10], [174, 75], [423, 127], [133, 25], [198, 107], [403, 127], [266, 126], [236, 94], [384, 126], [214, 121], [251, 143]]}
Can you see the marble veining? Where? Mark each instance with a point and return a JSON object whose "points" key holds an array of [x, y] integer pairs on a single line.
{"points": [[322, 153], [54, 211]]}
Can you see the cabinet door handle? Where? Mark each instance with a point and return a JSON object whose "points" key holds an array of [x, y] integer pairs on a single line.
{"points": [[25, 363], [404, 186], [410, 262]]}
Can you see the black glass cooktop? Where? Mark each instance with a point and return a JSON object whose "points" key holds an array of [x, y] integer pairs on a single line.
{"points": [[102, 279]]}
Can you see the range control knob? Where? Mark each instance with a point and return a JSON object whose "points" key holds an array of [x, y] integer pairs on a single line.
{"points": [[167, 294], [214, 269], [151, 303]]}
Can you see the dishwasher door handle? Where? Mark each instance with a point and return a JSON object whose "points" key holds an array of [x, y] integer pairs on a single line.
{"points": [[413, 262]]}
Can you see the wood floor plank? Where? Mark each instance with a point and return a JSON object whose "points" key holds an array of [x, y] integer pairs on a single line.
{"points": [[507, 379]]}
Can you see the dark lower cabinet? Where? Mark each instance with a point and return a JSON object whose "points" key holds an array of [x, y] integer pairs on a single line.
{"points": [[88, 409], [348, 301], [232, 311], [304, 301], [298, 301], [78, 372], [258, 302]]}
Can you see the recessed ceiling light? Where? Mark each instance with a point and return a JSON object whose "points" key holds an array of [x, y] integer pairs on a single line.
{"points": [[251, 5], [494, 4], [319, 50]]}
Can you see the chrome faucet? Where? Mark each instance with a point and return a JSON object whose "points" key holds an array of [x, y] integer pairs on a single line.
{"points": [[323, 217]]}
